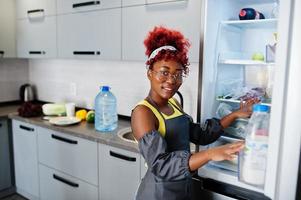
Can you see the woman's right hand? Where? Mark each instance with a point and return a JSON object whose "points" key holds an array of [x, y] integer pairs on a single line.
{"points": [[225, 152]]}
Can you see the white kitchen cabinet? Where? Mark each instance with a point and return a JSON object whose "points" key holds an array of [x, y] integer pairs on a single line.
{"points": [[143, 167], [72, 6], [8, 30], [94, 34], [71, 155], [161, 1], [137, 21], [29, 8], [119, 173], [36, 37], [133, 2], [26, 159], [59, 186]]}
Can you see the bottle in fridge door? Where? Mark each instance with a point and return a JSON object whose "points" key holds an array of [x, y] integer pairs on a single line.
{"points": [[253, 158]]}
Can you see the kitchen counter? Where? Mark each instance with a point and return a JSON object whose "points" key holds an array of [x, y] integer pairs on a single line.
{"points": [[83, 129], [5, 110]]}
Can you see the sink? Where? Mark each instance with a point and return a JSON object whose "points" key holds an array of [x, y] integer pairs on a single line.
{"points": [[126, 134]]}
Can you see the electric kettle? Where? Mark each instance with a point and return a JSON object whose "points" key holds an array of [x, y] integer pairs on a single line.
{"points": [[27, 93]]}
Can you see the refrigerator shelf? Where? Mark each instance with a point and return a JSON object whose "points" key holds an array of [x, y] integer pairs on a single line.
{"points": [[243, 62], [237, 101], [259, 23]]}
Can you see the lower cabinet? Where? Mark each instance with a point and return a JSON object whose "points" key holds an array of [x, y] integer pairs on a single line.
{"points": [[26, 159], [119, 173], [143, 168], [60, 186]]}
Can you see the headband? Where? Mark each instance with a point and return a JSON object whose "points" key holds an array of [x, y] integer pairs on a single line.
{"points": [[156, 51]]}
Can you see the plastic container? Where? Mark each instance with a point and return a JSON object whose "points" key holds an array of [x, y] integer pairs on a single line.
{"points": [[105, 110], [253, 158]]}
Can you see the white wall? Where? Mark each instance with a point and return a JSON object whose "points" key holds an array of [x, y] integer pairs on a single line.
{"points": [[79, 80], [13, 73]]}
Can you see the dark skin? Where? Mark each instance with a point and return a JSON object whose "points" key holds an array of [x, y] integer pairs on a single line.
{"points": [[144, 121]]}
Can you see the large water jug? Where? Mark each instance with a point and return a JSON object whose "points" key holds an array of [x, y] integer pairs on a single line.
{"points": [[105, 110], [253, 158]]}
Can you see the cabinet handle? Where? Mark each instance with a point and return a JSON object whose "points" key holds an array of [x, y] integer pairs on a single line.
{"points": [[37, 52], [88, 3], [72, 184], [123, 157], [35, 11], [26, 128], [63, 139], [2, 53], [86, 52], [0, 125]]}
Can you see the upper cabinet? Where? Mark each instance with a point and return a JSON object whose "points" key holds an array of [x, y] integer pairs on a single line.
{"points": [[160, 1], [93, 34], [27, 8], [71, 6], [7, 33], [36, 28], [36, 37], [184, 16], [133, 2]]}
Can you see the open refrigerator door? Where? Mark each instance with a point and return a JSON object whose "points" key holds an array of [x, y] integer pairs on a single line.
{"points": [[239, 61]]}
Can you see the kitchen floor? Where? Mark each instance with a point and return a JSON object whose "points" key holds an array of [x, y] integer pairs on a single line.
{"points": [[14, 197]]}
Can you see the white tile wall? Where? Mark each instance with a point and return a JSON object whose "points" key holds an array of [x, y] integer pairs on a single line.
{"points": [[13, 73], [79, 80]]}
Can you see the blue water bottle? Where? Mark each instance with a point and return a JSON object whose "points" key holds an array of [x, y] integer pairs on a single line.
{"points": [[105, 110]]}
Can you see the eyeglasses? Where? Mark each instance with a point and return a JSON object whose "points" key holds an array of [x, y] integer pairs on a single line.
{"points": [[164, 75]]}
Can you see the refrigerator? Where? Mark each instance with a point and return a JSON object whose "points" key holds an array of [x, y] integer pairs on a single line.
{"points": [[254, 57]]}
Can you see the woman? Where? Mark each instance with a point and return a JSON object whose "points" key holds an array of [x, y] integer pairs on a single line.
{"points": [[164, 131]]}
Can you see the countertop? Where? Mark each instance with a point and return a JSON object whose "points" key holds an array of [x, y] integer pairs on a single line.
{"points": [[83, 129]]}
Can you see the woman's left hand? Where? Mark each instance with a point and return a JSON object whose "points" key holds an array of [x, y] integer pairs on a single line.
{"points": [[245, 109]]}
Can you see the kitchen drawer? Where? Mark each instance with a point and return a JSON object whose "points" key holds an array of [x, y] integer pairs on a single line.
{"points": [[28, 8], [60, 186], [69, 154], [73, 6]]}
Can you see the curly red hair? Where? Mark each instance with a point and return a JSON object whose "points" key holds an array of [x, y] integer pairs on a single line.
{"points": [[161, 36]]}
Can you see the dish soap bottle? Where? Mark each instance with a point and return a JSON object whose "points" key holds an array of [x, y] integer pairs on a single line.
{"points": [[105, 110], [253, 158]]}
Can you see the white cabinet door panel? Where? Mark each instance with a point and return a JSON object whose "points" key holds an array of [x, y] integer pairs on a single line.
{"points": [[59, 186], [72, 155], [8, 29], [26, 158], [132, 2], [27, 8], [143, 168], [71, 6], [139, 20], [36, 37], [161, 1], [94, 34], [119, 173]]}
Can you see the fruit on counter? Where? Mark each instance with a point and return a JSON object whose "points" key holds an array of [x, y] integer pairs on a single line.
{"points": [[81, 114], [258, 56], [29, 109], [90, 116], [54, 109]]}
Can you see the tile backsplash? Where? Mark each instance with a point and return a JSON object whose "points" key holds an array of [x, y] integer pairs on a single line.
{"points": [[79, 80], [13, 73]]}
